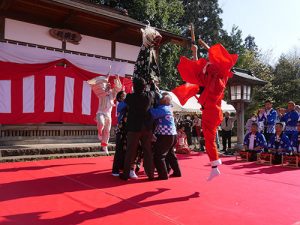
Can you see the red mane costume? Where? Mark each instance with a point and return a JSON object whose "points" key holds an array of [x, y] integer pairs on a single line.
{"points": [[212, 75]]}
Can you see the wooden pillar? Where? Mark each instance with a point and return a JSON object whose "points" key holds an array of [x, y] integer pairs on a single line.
{"points": [[2, 27], [113, 49], [64, 45]]}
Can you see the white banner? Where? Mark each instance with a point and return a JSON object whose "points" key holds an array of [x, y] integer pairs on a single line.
{"points": [[69, 94], [86, 98], [5, 96], [23, 54], [28, 94], [50, 88]]}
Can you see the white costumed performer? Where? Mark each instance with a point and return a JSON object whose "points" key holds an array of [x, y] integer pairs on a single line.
{"points": [[106, 95]]}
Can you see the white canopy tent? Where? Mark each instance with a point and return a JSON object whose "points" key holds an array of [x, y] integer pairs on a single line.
{"points": [[192, 105]]}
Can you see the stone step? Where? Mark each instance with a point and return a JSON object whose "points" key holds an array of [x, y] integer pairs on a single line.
{"points": [[48, 151], [52, 156]]}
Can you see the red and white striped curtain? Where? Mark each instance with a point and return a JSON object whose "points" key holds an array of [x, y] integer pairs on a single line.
{"points": [[50, 92]]}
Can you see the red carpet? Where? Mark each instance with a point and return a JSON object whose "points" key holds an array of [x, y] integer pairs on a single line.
{"points": [[82, 191]]}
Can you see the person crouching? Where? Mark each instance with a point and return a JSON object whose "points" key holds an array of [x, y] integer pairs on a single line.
{"points": [[165, 132]]}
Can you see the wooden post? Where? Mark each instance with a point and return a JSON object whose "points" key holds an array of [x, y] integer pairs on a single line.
{"points": [[2, 27], [64, 45], [203, 44], [113, 49]]}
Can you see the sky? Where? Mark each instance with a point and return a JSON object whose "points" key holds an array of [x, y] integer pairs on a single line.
{"points": [[275, 24]]}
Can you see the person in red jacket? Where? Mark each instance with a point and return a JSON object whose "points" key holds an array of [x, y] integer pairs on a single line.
{"points": [[209, 78]]}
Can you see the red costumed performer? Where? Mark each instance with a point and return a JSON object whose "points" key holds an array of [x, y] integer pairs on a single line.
{"points": [[209, 78]]}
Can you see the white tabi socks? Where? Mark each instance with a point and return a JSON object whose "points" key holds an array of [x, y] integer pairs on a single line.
{"points": [[104, 148], [214, 169]]}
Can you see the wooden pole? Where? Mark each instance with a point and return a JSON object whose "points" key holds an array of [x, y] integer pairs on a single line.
{"points": [[203, 44]]}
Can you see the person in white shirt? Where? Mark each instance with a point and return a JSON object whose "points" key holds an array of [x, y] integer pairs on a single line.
{"points": [[227, 126], [196, 132]]}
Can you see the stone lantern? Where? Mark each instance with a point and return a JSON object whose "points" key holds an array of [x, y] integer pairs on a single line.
{"points": [[240, 88]]}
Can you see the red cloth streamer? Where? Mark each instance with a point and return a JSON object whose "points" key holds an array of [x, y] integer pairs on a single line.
{"points": [[191, 72], [185, 92]]}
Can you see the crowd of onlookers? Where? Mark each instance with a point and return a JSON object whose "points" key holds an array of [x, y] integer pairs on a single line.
{"points": [[190, 124], [274, 131]]}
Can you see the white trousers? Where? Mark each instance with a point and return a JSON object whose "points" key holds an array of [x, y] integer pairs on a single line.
{"points": [[103, 125]]}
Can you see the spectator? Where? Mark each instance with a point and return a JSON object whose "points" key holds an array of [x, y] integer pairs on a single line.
{"points": [[177, 119], [297, 108], [249, 122], [271, 116], [187, 123], [279, 114], [196, 132], [261, 120], [254, 142], [182, 146], [290, 118], [296, 139], [279, 144], [121, 134], [227, 126], [217, 140]]}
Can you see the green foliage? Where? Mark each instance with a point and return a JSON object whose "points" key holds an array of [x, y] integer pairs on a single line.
{"points": [[164, 14], [251, 60], [286, 82], [205, 15], [175, 16], [111, 3], [170, 77], [250, 44], [233, 42]]}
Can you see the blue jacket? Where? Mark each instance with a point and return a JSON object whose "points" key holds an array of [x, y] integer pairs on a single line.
{"points": [[121, 110], [259, 140], [163, 116], [295, 142], [290, 118], [271, 121], [283, 143]]}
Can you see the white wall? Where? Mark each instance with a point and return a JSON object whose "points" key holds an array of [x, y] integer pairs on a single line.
{"points": [[30, 33], [36, 34], [127, 52], [92, 45]]}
